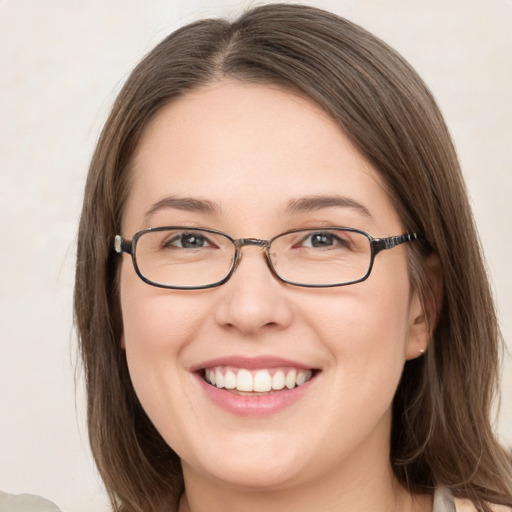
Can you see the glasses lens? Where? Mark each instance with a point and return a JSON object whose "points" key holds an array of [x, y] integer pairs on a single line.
{"points": [[184, 257], [321, 256]]}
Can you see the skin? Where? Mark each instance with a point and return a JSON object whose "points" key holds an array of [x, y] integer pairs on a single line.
{"points": [[251, 149]]}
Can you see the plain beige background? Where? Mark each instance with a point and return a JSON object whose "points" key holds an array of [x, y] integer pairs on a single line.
{"points": [[61, 64]]}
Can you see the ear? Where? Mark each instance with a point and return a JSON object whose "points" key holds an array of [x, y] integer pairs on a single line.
{"points": [[425, 306]]}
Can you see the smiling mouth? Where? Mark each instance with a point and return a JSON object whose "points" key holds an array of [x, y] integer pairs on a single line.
{"points": [[262, 381]]}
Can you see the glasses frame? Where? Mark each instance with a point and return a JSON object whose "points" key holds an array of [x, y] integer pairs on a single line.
{"points": [[377, 245]]}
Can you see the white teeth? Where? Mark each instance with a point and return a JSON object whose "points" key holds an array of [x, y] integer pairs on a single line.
{"points": [[244, 381], [230, 380], [219, 378], [290, 379], [301, 378], [260, 382], [278, 380]]}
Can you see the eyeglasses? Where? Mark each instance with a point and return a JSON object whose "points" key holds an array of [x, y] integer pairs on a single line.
{"points": [[186, 258]]}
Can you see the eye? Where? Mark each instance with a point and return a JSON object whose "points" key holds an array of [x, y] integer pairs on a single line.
{"points": [[187, 241], [321, 239]]}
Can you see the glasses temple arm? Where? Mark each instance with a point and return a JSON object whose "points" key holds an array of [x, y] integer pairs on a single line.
{"points": [[381, 244]]}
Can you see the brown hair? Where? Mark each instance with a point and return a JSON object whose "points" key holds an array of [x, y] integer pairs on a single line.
{"points": [[441, 433]]}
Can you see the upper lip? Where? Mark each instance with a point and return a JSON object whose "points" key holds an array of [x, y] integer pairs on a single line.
{"points": [[251, 363]]}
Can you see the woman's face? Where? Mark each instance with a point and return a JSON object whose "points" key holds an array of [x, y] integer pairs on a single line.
{"points": [[256, 161]]}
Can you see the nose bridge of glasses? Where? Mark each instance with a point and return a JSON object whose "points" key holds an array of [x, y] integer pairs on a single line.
{"points": [[255, 242], [242, 242]]}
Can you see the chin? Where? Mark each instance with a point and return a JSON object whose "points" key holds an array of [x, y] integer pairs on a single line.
{"points": [[256, 476], [265, 465]]}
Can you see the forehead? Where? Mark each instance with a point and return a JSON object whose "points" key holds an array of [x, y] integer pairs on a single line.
{"points": [[248, 148]]}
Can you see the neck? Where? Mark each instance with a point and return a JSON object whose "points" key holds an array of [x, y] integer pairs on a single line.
{"points": [[378, 491]]}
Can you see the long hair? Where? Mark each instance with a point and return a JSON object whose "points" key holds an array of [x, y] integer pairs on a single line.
{"points": [[441, 431]]}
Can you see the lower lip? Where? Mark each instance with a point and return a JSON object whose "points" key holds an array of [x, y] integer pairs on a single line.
{"points": [[254, 405]]}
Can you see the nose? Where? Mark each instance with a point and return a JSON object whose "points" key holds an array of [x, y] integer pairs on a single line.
{"points": [[253, 299]]}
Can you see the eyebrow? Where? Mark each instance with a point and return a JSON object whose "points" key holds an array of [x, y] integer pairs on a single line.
{"points": [[189, 204], [314, 203], [294, 206]]}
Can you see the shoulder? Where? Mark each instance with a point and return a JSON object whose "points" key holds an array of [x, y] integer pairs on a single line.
{"points": [[445, 502], [25, 503], [462, 505]]}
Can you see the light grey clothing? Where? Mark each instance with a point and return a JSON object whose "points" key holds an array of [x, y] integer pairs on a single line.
{"points": [[443, 501], [25, 503]]}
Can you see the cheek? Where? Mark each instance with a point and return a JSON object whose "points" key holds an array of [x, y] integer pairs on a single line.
{"points": [[366, 331], [360, 319], [155, 319], [157, 325]]}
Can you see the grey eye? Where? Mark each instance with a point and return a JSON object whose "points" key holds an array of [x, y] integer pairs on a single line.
{"points": [[322, 240], [188, 241]]}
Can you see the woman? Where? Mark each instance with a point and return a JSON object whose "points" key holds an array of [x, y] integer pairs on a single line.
{"points": [[280, 297]]}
